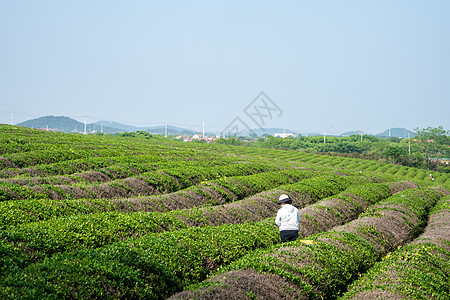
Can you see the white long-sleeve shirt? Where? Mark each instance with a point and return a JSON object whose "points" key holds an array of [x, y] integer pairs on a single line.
{"points": [[287, 218]]}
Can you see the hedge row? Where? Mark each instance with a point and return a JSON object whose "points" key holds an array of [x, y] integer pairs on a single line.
{"points": [[226, 190], [41, 239], [345, 207], [40, 147], [156, 182], [322, 266], [419, 270], [104, 164], [206, 193], [37, 157], [151, 267], [363, 165], [83, 172], [48, 148]]}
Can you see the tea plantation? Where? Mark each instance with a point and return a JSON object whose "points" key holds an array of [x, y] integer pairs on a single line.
{"points": [[109, 217]]}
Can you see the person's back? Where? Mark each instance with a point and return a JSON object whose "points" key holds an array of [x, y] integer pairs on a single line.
{"points": [[287, 219]]}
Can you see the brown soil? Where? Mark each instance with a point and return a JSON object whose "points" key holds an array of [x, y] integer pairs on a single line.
{"points": [[30, 171], [191, 198], [299, 199], [384, 233], [5, 163], [244, 284], [39, 181], [137, 186], [107, 191], [93, 177], [441, 190], [327, 214], [177, 200], [438, 229], [437, 232], [74, 191], [252, 209], [400, 186]]}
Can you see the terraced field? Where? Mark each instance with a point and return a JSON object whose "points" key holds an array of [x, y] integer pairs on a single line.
{"points": [[113, 217]]}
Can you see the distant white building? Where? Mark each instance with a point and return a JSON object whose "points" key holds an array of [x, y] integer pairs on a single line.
{"points": [[283, 135]]}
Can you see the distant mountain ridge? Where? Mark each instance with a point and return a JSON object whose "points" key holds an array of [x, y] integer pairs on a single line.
{"points": [[396, 132], [66, 124], [119, 126], [357, 132], [161, 129], [268, 131]]}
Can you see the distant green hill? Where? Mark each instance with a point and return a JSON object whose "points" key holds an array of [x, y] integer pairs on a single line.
{"points": [[358, 132], [65, 124], [118, 126], [171, 130], [396, 132]]}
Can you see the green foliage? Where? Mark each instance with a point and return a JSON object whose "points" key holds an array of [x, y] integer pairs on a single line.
{"points": [[151, 267], [323, 267], [114, 272], [230, 141], [55, 245], [419, 270], [75, 232], [394, 153]]}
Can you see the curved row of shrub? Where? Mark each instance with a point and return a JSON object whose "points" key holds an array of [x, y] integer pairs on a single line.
{"points": [[49, 148], [43, 147], [357, 164], [322, 266], [206, 193], [15, 139], [102, 164], [155, 182], [93, 170], [419, 270], [52, 153], [37, 157], [29, 242], [161, 264], [345, 207], [210, 192], [146, 269]]}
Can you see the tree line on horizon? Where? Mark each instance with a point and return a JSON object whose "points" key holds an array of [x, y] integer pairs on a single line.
{"points": [[429, 149]]}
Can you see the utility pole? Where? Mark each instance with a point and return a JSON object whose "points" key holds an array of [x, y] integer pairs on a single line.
{"points": [[409, 144], [324, 137], [203, 135], [85, 125]]}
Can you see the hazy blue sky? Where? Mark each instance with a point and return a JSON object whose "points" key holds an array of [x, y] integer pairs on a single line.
{"points": [[328, 66]]}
